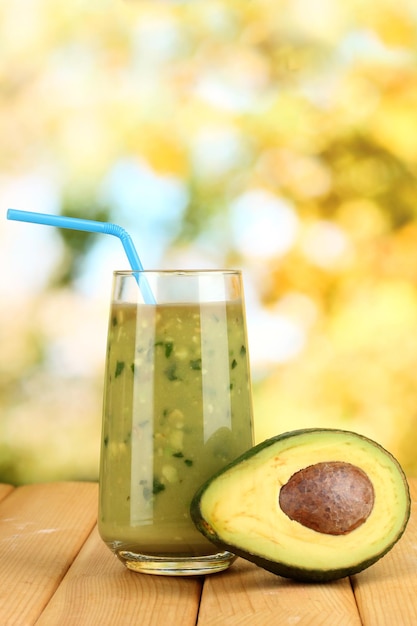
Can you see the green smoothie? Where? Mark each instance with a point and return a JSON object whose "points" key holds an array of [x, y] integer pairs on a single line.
{"points": [[177, 407]]}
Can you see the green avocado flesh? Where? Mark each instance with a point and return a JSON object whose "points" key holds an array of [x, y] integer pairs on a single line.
{"points": [[312, 505]]}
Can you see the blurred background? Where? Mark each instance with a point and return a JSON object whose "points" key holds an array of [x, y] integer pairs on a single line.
{"points": [[275, 136]]}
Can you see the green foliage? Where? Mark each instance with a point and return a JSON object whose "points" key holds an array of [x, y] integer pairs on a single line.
{"points": [[312, 103], [77, 243]]}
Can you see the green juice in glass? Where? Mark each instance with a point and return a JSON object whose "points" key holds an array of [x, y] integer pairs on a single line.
{"points": [[177, 408]]}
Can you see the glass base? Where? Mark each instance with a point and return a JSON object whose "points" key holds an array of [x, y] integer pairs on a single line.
{"points": [[176, 566]]}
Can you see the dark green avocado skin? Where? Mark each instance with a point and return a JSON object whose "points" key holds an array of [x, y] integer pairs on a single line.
{"points": [[282, 569]]}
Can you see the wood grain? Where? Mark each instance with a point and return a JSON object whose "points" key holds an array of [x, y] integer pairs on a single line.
{"points": [[55, 570], [386, 593], [246, 594], [99, 590], [42, 529], [5, 490]]}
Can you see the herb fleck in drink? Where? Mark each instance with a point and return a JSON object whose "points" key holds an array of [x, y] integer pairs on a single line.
{"points": [[177, 408]]}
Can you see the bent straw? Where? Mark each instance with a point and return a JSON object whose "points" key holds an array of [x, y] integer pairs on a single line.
{"points": [[92, 226]]}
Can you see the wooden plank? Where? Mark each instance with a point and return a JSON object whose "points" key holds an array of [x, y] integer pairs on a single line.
{"points": [[98, 589], [386, 592], [42, 528], [5, 490], [248, 595]]}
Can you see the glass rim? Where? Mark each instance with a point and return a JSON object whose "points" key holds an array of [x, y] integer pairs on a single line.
{"points": [[177, 272]]}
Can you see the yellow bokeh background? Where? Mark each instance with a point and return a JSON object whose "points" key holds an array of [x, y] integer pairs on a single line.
{"points": [[275, 136]]}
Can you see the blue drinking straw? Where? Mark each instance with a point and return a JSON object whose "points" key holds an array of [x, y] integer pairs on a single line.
{"points": [[75, 223]]}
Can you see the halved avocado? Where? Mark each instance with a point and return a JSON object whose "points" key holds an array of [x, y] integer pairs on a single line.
{"points": [[312, 505]]}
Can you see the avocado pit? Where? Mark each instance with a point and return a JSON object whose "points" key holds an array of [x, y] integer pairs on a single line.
{"points": [[332, 498]]}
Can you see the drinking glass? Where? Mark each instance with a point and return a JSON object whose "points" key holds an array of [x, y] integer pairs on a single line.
{"points": [[177, 408]]}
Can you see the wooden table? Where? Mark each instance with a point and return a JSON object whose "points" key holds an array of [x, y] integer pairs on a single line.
{"points": [[55, 571]]}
